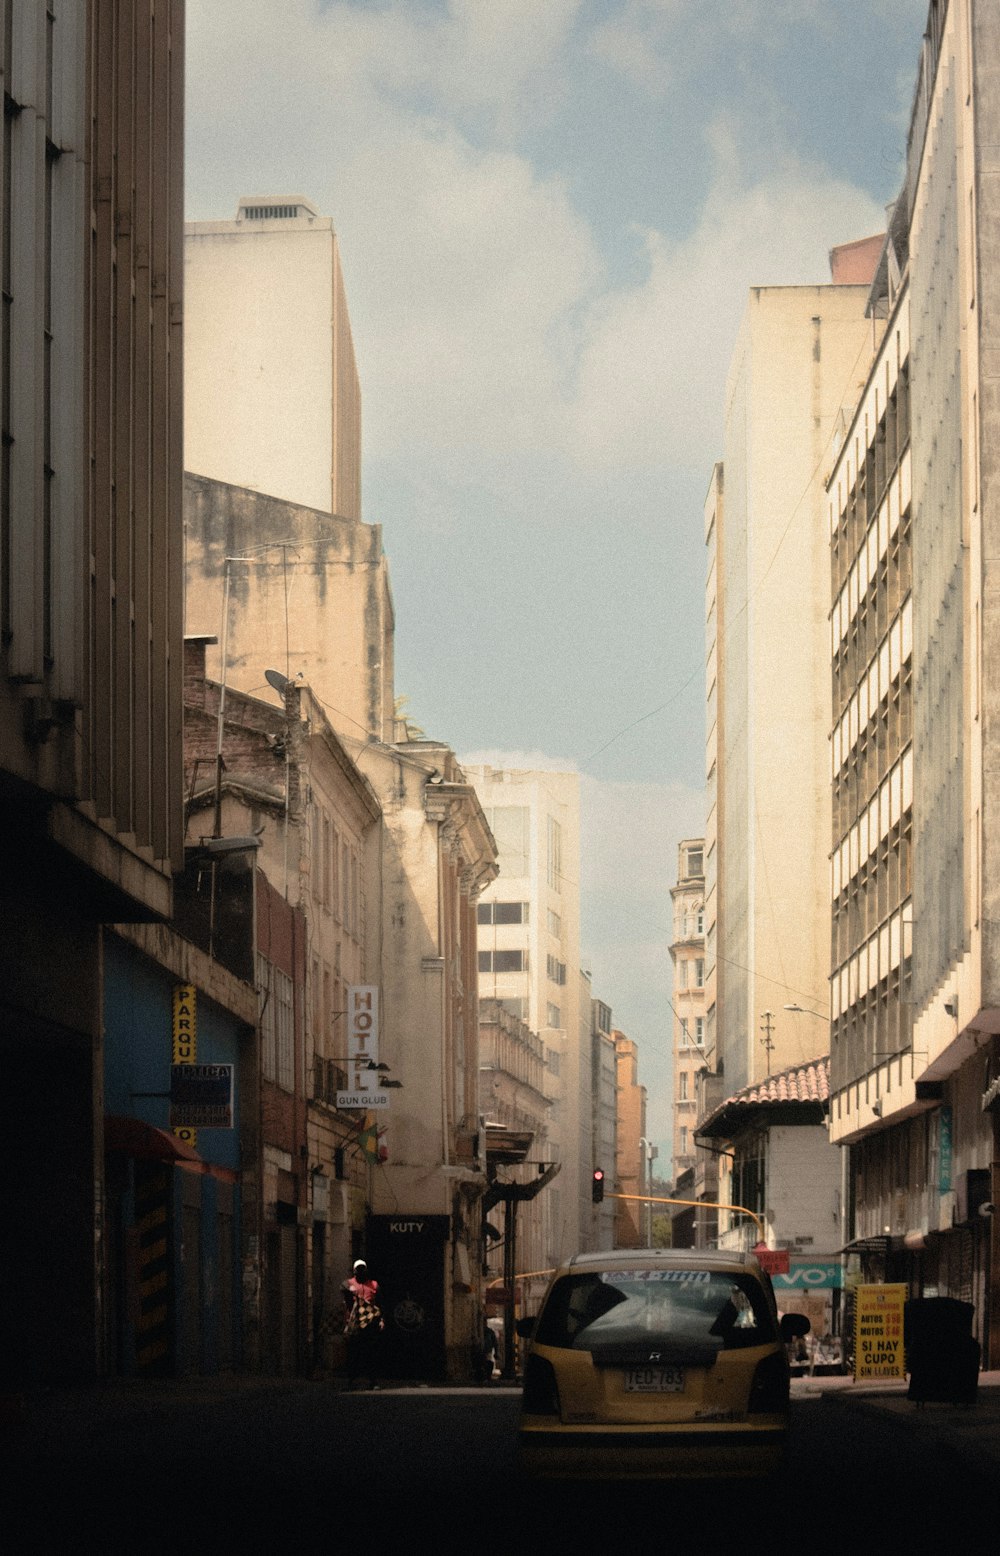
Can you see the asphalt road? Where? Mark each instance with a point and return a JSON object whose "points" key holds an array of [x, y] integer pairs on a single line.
{"points": [[271, 1469]]}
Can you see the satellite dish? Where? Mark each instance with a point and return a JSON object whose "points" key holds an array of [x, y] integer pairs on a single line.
{"points": [[277, 680]]}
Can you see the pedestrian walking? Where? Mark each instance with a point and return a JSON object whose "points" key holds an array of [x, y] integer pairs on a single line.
{"points": [[363, 1327]]}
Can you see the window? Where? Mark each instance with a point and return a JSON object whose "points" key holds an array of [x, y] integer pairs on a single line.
{"points": [[345, 886], [683, 1086], [552, 1060], [553, 1016], [284, 1021], [699, 1031], [277, 1024], [503, 961], [554, 833], [502, 913], [585, 1312], [555, 925], [699, 973], [555, 969], [516, 1007], [694, 861]]}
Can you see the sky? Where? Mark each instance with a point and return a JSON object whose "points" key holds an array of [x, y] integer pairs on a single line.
{"points": [[549, 214]]}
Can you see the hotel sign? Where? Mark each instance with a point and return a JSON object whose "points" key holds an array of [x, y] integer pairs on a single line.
{"points": [[362, 1037]]}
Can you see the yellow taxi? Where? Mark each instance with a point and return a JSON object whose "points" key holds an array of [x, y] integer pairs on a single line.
{"points": [[654, 1363]]}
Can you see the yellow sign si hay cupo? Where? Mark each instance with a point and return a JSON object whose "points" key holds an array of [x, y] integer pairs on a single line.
{"points": [[185, 1041], [878, 1332]]}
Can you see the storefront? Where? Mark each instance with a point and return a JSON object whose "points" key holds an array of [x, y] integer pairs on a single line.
{"points": [[172, 1266]]}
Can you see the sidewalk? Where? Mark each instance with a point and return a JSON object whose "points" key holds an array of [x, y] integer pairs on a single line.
{"points": [[969, 1432]]}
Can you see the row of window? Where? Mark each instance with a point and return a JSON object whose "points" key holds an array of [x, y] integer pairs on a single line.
{"points": [[886, 809], [277, 1024], [877, 891], [876, 1026], [873, 686], [886, 736], [876, 961], [336, 872], [690, 924], [888, 591], [515, 913], [691, 972], [856, 510], [503, 961], [502, 913]]}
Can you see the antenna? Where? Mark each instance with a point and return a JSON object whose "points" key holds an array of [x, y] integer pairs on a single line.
{"points": [[277, 680]]}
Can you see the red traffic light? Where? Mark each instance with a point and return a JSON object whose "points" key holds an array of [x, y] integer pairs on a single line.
{"points": [[597, 1186]]}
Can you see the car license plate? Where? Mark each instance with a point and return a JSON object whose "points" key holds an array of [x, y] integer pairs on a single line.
{"points": [[654, 1380]]}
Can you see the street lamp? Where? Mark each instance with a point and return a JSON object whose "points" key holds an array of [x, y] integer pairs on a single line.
{"points": [[802, 1010], [649, 1151]]}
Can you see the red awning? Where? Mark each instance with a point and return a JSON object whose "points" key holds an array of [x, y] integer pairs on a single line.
{"points": [[135, 1137]]}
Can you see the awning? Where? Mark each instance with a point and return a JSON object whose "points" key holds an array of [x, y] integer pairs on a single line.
{"points": [[134, 1137]]}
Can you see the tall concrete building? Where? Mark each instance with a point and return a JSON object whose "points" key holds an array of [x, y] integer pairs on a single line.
{"points": [[687, 953], [529, 958], [90, 610], [799, 357], [272, 399], [281, 568], [914, 526], [632, 1218], [604, 1103]]}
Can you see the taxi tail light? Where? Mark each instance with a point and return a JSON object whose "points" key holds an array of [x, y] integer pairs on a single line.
{"points": [[541, 1392], [769, 1390]]}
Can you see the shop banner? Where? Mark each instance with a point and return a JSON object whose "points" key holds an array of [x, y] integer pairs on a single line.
{"points": [[878, 1332]]}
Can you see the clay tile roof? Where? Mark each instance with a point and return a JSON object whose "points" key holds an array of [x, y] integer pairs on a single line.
{"points": [[800, 1083]]}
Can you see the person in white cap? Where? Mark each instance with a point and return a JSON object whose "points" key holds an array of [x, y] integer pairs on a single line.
{"points": [[363, 1326]]}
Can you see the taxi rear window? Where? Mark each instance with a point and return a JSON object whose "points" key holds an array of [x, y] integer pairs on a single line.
{"points": [[620, 1306]]}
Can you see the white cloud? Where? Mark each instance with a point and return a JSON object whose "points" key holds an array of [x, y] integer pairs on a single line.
{"points": [[655, 356], [483, 316]]}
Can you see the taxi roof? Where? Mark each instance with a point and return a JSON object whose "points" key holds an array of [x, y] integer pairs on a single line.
{"points": [[662, 1258]]}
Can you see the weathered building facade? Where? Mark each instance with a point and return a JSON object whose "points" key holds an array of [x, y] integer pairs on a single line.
{"points": [[90, 605], [801, 351], [272, 400], [529, 957], [424, 1226], [631, 1217], [275, 775], [913, 522]]}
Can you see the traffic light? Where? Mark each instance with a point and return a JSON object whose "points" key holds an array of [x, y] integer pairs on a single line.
{"points": [[597, 1185]]}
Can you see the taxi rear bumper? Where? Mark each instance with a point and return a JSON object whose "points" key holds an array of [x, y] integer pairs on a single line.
{"points": [[627, 1453]]}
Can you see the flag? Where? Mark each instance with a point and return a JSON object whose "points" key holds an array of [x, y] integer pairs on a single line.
{"points": [[368, 1139]]}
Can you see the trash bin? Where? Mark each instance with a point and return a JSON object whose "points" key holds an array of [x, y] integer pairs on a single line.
{"points": [[942, 1357]]}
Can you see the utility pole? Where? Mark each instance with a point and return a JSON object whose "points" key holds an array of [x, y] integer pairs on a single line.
{"points": [[766, 1026]]}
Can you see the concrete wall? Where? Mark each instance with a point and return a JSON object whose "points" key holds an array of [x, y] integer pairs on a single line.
{"points": [[309, 596], [271, 394], [801, 353], [803, 1188]]}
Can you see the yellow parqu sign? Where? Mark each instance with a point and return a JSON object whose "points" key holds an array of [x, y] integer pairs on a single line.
{"points": [[185, 1040], [878, 1332]]}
